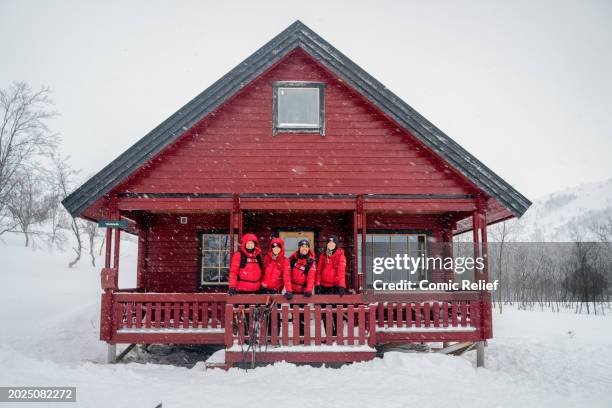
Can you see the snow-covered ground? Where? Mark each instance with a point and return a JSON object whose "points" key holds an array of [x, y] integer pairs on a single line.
{"points": [[50, 316]]}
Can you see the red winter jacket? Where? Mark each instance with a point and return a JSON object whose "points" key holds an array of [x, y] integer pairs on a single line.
{"points": [[296, 280], [275, 269], [247, 278], [332, 270]]}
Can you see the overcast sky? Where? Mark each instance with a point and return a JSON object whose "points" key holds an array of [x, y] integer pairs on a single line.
{"points": [[525, 86]]}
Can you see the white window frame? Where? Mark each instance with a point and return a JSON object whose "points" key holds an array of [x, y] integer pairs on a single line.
{"points": [[298, 128]]}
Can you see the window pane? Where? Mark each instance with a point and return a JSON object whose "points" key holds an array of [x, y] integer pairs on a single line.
{"points": [[215, 258], [211, 274], [224, 241], [388, 245], [225, 259], [298, 107], [210, 259], [210, 242], [224, 274], [398, 244]]}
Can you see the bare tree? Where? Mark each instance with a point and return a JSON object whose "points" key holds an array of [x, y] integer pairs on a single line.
{"points": [[92, 231], [59, 222], [501, 233], [28, 204], [24, 136], [64, 178], [75, 227], [601, 226]]}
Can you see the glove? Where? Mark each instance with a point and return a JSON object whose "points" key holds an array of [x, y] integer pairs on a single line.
{"points": [[232, 291], [307, 294], [341, 291], [288, 295]]}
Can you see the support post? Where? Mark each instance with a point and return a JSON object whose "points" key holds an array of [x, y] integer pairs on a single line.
{"points": [[363, 252], [142, 256], [484, 248], [480, 354], [111, 353], [362, 223], [231, 234], [475, 234], [106, 315], [240, 224], [113, 211], [116, 249], [233, 214], [486, 298], [355, 252], [109, 243], [479, 225]]}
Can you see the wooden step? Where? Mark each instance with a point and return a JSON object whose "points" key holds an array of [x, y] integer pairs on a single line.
{"points": [[301, 354]]}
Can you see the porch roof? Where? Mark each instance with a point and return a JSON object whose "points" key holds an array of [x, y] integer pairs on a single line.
{"points": [[418, 203]]}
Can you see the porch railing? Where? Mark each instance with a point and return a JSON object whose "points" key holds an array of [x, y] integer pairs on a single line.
{"points": [[319, 320], [162, 317], [432, 316], [360, 320]]}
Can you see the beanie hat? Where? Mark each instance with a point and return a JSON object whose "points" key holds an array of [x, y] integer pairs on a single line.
{"points": [[333, 238]]}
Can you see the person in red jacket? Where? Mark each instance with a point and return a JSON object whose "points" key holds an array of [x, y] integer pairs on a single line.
{"points": [[276, 267], [302, 271], [301, 276], [246, 267], [331, 271], [330, 278]]}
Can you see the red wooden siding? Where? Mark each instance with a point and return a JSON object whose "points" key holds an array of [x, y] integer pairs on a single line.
{"points": [[233, 150], [172, 253]]}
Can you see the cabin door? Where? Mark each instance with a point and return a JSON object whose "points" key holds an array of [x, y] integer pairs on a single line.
{"points": [[291, 239]]}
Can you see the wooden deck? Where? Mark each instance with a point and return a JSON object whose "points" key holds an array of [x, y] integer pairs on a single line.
{"points": [[270, 325]]}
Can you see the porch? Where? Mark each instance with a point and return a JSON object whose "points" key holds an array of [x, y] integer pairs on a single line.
{"points": [[167, 308], [363, 322]]}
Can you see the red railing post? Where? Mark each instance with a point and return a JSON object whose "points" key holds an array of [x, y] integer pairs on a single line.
{"points": [[355, 251], [275, 327], [339, 325], [307, 325], [296, 325], [117, 316], [106, 315], [285, 325], [229, 328], [372, 326], [317, 320], [361, 319]]}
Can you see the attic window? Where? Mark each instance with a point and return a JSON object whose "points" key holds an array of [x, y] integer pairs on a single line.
{"points": [[298, 107]]}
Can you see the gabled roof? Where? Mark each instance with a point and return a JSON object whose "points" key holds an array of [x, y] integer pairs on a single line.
{"points": [[296, 35]]}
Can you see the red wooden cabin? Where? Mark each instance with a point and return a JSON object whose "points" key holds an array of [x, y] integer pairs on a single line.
{"points": [[297, 140]]}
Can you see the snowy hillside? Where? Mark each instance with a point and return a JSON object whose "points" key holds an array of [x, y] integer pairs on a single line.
{"points": [[50, 320], [551, 216]]}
